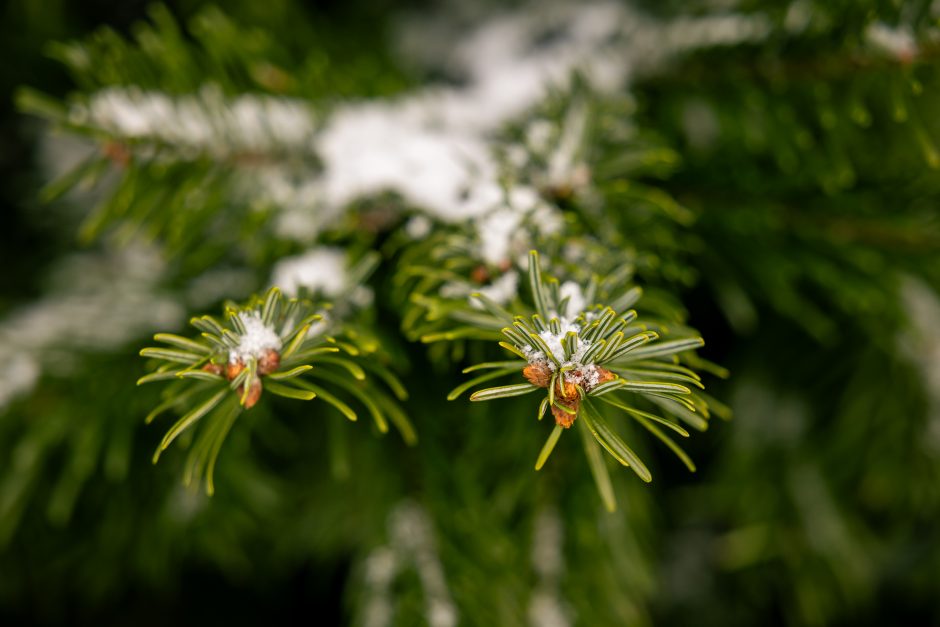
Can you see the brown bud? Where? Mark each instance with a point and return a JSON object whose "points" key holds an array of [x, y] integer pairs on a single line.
{"points": [[604, 375], [233, 369], [565, 389], [213, 368], [538, 374], [269, 362], [254, 393], [480, 275], [563, 418]]}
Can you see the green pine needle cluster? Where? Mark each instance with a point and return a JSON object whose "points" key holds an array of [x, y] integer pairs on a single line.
{"points": [[582, 357], [213, 384]]}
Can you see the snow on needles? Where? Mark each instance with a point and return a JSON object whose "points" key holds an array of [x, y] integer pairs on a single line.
{"points": [[576, 371], [434, 146], [204, 122], [323, 271], [584, 374], [257, 339], [320, 270]]}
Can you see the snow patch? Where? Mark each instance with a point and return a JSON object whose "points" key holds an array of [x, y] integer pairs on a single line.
{"points": [[502, 290], [320, 270], [204, 122], [434, 146], [554, 343], [257, 339], [587, 376]]}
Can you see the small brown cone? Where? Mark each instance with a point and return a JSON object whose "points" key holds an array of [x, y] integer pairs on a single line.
{"points": [[563, 418], [566, 389], [233, 369], [254, 393], [604, 375], [269, 362], [538, 374]]}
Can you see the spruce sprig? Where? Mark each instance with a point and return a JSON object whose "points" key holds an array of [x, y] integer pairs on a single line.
{"points": [[274, 344], [591, 359]]}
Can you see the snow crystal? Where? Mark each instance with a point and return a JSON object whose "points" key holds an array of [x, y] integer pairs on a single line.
{"points": [[257, 339], [320, 270], [381, 566], [323, 272], [361, 296], [547, 539], [587, 376], [800, 14], [700, 124], [553, 340]]}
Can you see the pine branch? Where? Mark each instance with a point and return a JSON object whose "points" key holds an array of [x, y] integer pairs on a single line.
{"points": [[270, 344], [579, 350]]}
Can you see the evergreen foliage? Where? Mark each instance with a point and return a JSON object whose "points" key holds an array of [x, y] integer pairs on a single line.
{"points": [[402, 210]]}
